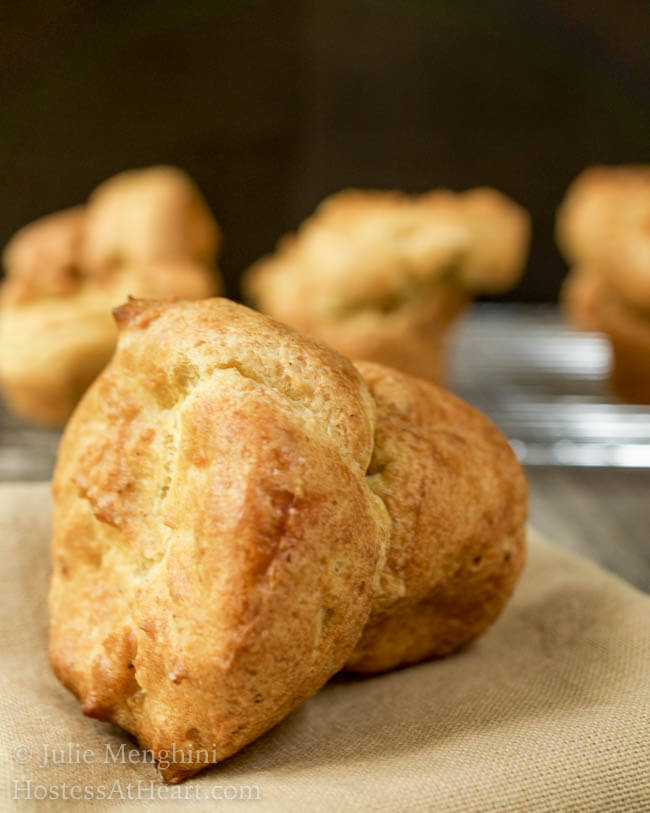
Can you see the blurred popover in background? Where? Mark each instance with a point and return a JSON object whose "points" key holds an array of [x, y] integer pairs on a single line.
{"points": [[381, 275], [144, 233], [603, 230]]}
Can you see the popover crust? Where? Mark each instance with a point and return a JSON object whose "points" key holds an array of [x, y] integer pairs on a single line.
{"points": [[457, 498], [240, 513], [603, 229], [145, 233], [216, 545], [382, 275], [604, 223]]}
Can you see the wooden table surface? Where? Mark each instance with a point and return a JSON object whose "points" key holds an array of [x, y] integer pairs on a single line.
{"points": [[602, 513]]}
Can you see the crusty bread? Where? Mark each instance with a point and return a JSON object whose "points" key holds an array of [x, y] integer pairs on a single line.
{"points": [[457, 499], [147, 215], [42, 258], [413, 338], [382, 275], [593, 304], [143, 233], [240, 513], [216, 545], [603, 223], [603, 229]]}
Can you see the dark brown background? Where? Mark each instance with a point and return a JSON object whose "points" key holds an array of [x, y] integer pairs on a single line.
{"points": [[272, 105]]}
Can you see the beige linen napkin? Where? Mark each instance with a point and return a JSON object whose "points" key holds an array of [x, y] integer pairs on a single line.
{"points": [[547, 712]]}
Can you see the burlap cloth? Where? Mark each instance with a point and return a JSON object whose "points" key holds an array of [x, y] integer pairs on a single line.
{"points": [[548, 711]]}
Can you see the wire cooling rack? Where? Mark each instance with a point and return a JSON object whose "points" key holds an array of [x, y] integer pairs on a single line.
{"points": [[545, 385]]}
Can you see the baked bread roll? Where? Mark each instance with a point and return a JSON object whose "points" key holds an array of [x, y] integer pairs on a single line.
{"points": [[602, 229], [594, 304], [148, 215], [216, 544], [233, 524], [457, 499], [382, 275], [144, 233]]}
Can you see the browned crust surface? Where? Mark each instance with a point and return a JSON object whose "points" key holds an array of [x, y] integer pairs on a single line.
{"points": [[603, 229], [457, 499], [594, 304], [236, 506], [216, 546], [143, 233], [604, 224], [381, 275]]}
